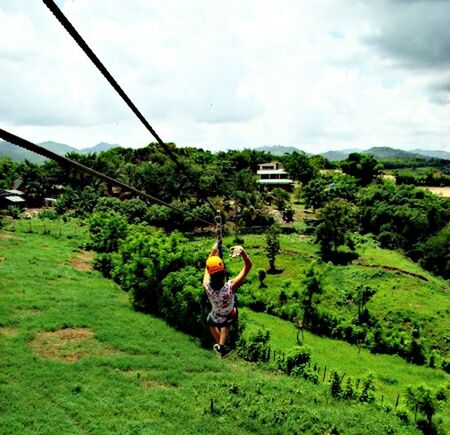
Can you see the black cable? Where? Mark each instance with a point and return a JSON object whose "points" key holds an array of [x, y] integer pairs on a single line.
{"points": [[96, 61], [69, 162]]}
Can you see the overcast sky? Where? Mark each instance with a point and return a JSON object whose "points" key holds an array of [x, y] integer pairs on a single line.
{"points": [[318, 75]]}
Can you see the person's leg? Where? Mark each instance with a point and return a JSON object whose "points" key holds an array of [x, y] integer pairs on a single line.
{"points": [[223, 335], [215, 333]]}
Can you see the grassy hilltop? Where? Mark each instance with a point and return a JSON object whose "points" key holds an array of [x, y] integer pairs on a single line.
{"points": [[76, 358]]}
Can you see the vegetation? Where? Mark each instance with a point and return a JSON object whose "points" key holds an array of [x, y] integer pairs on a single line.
{"points": [[82, 361], [350, 269]]}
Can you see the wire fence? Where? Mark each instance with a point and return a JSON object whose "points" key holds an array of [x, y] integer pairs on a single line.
{"points": [[59, 228]]}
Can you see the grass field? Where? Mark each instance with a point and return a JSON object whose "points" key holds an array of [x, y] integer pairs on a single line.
{"points": [[75, 358], [405, 292], [392, 374]]}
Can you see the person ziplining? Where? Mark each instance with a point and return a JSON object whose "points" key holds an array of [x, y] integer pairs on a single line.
{"points": [[221, 294]]}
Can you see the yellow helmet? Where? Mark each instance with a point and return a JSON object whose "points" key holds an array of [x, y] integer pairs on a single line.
{"points": [[214, 264]]}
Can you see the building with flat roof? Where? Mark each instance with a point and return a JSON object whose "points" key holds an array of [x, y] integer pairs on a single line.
{"points": [[272, 174], [10, 198]]}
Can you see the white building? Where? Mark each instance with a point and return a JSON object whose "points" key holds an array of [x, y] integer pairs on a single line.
{"points": [[272, 174]]}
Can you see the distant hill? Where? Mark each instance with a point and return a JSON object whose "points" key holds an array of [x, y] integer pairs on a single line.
{"points": [[102, 146], [278, 150], [387, 153], [339, 154], [58, 148], [433, 153], [392, 153], [19, 154]]}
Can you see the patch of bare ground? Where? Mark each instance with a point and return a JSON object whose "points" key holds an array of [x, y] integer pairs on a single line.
{"points": [[83, 261], [2, 258], [5, 236], [6, 331], [69, 345], [22, 313], [146, 378]]}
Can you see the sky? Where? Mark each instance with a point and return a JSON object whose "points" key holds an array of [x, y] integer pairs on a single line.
{"points": [[315, 74]]}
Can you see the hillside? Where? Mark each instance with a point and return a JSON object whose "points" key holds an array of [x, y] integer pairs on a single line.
{"points": [[19, 154], [433, 153], [278, 150], [76, 359]]}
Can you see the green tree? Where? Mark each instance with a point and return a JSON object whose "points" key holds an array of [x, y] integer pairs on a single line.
{"points": [[280, 197], [272, 247], [421, 399], [106, 231], [435, 253], [363, 167], [299, 167], [313, 288], [336, 219], [8, 172]]}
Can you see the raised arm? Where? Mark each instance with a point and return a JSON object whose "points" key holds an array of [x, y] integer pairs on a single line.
{"points": [[236, 282], [214, 251]]}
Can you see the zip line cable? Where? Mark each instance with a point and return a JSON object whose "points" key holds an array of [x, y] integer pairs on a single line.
{"points": [[9, 137], [96, 61], [54, 9]]}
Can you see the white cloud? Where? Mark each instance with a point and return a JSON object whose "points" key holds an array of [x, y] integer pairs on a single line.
{"points": [[231, 74]]}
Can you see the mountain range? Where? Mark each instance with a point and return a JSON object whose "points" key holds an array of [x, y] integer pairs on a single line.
{"points": [[19, 154], [377, 152]]}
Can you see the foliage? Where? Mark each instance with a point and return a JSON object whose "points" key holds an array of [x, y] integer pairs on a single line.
{"points": [[107, 230], [255, 347], [8, 172], [363, 167], [280, 198], [272, 246], [134, 366], [144, 259], [183, 303], [421, 399], [299, 167], [294, 358], [434, 253], [48, 214], [336, 220], [322, 189], [401, 216], [313, 288]]}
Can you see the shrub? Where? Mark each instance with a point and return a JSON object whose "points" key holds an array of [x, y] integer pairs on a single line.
{"points": [[297, 356], [255, 347], [48, 214], [184, 304], [106, 230]]}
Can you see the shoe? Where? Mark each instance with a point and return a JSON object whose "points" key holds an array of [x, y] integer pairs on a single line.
{"points": [[222, 351]]}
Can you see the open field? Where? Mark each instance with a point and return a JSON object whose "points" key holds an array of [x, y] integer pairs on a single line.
{"points": [[440, 191], [75, 358]]}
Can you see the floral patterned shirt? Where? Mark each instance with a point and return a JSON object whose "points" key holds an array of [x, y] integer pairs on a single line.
{"points": [[222, 301]]}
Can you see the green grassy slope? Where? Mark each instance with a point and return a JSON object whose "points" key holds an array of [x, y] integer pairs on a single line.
{"points": [[392, 374], [114, 370], [405, 292]]}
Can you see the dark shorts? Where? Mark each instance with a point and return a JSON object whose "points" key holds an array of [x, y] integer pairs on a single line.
{"points": [[231, 318]]}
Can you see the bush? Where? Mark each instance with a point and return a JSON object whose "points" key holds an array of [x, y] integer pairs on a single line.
{"points": [[106, 230], [103, 263], [184, 304], [255, 347], [48, 214], [144, 260], [297, 356]]}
